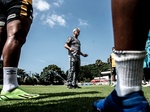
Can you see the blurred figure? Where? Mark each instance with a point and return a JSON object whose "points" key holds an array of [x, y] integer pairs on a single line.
{"points": [[15, 20], [146, 67], [131, 23], [74, 51], [113, 69]]}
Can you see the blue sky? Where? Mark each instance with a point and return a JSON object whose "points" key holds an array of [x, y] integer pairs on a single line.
{"points": [[53, 23]]}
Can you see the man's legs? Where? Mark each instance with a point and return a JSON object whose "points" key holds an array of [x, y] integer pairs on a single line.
{"points": [[17, 31], [146, 77], [17, 27], [131, 23], [73, 74], [16, 34], [76, 74], [70, 73], [113, 76], [74, 78]]}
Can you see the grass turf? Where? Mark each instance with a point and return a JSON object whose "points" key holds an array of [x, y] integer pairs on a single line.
{"points": [[60, 99]]}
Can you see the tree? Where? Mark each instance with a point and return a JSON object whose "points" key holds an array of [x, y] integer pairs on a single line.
{"points": [[99, 64], [88, 72], [25, 78], [21, 76], [52, 75], [36, 78]]}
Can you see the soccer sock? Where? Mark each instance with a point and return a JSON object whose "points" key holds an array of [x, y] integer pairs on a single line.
{"points": [[129, 68], [9, 78]]}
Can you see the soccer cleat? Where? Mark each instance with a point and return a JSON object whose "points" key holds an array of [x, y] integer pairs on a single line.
{"points": [[134, 102], [17, 94], [146, 85], [70, 86], [76, 86]]}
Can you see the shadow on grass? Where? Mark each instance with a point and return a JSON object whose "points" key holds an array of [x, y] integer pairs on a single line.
{"points": [[66, 102], [66, 94]]}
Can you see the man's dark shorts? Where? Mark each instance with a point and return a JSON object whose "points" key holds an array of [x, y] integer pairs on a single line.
{"points": [[15, 9], [114, 70]]}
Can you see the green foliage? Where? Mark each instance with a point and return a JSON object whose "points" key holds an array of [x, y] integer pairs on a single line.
{"points": [[48, 75], [21, 72], [98, 62], [87, 73], [23, 77], [36, 78], [93, 70], [26, 79]]}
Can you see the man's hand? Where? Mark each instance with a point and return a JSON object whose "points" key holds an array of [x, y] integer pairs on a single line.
{"points": [[85, 55], [71, 49]]}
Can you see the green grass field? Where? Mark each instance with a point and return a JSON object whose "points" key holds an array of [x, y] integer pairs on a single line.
{"points": [[60, 99]]}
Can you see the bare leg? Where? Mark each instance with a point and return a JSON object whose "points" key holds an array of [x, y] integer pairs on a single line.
{"points": [[17, 31], [131, 23], [16, 36], [17, 28]]}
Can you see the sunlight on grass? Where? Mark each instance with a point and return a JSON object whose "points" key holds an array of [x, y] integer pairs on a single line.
{"points": [[60, 99]]}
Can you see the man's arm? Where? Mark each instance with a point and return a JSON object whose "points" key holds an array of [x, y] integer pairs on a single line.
{"points": [[84, 55], [68, 47]]}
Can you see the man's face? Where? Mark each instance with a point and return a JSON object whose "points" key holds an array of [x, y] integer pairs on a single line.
{"points": [[77, 32]]}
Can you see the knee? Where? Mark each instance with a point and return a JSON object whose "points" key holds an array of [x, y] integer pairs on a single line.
{"points": [[17, 31], [18, 37]]}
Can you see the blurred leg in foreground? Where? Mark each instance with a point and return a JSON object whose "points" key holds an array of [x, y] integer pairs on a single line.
{"points": [[131, 23]]}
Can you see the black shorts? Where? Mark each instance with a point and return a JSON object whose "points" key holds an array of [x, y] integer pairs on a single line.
{"points": [[15, 9], [114, 70]]}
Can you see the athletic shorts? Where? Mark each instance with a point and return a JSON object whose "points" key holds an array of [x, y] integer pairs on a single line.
{"points": [[114, 70], [15, 9]]}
